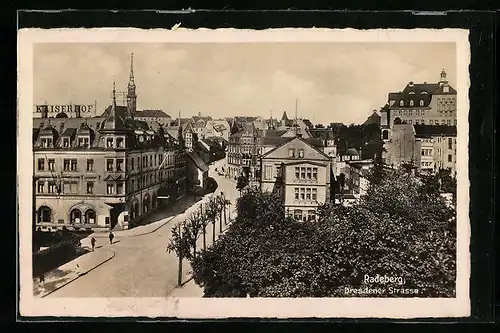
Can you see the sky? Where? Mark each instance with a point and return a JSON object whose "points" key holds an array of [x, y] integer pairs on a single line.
{"points": [[331, 82]]}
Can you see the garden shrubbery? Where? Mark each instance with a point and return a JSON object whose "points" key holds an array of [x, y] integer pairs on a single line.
{"points": [[397, 230]]}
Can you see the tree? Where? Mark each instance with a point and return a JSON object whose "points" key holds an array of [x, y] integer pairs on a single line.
{"points": [[180, 246], [191, 231], [395, 230], [211, 211], [242, 182]]}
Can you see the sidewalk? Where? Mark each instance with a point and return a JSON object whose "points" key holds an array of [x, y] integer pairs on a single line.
{"points": [[71, 271], [190, 288], [171, 212]]}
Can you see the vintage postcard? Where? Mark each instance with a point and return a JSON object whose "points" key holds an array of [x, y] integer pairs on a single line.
{"points": [[283, 173]]}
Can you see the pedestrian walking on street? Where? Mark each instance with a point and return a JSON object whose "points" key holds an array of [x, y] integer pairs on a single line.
{"points": [[92, 242], [111, 236], [42, 278]]}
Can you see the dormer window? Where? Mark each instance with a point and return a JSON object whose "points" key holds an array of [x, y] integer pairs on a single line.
{"points": [[109, 142], [65, 142], [412, 93], [401, 103], [119, 142], [446, 89], [411, 103], [47, 143], [421, 103]]}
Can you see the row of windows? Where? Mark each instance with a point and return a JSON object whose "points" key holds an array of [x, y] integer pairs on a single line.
{"points": [[307, 194], [446, 107], [72, 187], [268, 171], [295, 153], [427, 152], [306, 173], [111, 164], [411, 103], [426, 164], [448, 122], [304, 216]]}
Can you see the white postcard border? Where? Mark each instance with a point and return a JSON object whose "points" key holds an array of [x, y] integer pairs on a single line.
{"points": [[246, 307]]}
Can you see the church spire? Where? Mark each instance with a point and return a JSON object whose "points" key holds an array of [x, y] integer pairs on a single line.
{"points": [[113, 107], [131, 77], [131, 95]]}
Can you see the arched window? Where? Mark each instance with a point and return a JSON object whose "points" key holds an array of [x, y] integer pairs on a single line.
{"points": [[90, 216], [385, 135], [411, 103], [401, 103], [75, 216], [44, 214], [421, 102]]}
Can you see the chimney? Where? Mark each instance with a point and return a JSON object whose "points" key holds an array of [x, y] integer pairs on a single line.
{"points": [[199, 114]]}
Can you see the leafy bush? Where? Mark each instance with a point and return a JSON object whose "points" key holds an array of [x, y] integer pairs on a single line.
{"points": [[54, 256], [395, 230]]}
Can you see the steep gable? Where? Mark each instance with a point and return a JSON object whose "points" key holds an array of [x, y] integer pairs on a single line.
{"points": [[282, 151]]}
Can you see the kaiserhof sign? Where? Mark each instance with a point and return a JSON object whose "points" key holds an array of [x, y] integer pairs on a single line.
{"points": [[69, 108]]}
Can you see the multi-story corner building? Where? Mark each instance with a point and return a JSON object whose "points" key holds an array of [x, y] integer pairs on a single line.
{"points": [[399, 147], [421, 103], [299, 171], [102, 172], [243, 152]]}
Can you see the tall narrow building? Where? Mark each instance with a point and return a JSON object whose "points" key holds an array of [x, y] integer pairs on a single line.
{"points": [[131, 94]]}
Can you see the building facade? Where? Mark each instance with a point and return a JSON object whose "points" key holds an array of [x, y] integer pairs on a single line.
{"points": [[102, 172], [300, 173], [422, 103]]}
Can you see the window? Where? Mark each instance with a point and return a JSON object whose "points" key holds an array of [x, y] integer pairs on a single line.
{"points": [[73, 187], [41, 186], [119, 142], [73, 164], [450, 143], [107, 220], [423, 152], [268, 172], [455, 122], [311, 215], [155, 160], [119, 188], [401, 103], [132, 163], [109, 142], [291, 152], [119, 164], [150, 160], [449, 158], [448, 122], [80, 142], [90, 187], [302, 172], [109, 165], [66, 165], [314, 194], [110, 188], [52, 187], [421, 103], [315, 173], [296, 193], [297, 214], [308, 194], [65, 142], [308, 172], [90, 165], [302, 193], [301, 153], [297, 172], [278, 171], [41, 164]]}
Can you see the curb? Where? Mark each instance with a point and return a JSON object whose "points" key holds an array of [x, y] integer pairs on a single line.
{"points": [[80, 274]]}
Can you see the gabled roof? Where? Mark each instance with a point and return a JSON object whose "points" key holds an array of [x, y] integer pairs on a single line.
{"points": [[306, 141], [200, 164], [152, 113], [274, 141], [120, 111], [274, 133]]}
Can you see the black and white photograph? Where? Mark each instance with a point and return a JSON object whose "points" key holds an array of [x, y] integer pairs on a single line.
{"points": [[225, 173]]}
